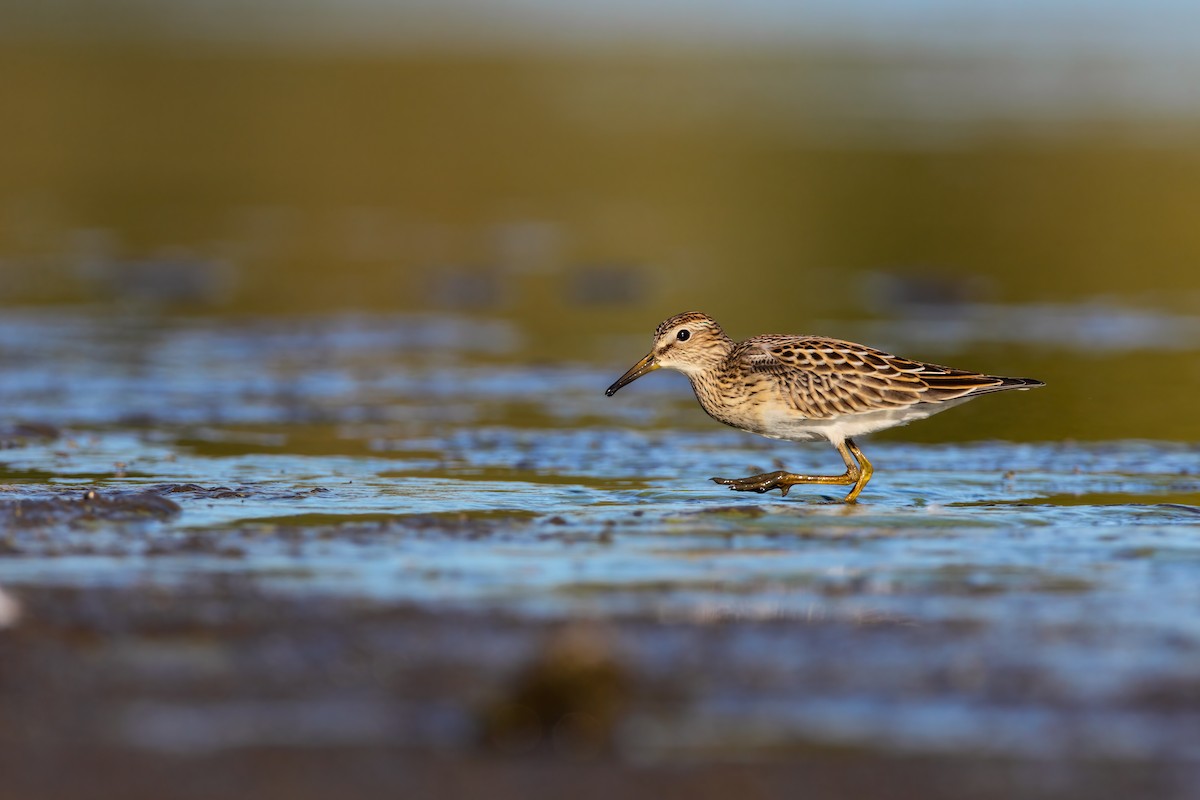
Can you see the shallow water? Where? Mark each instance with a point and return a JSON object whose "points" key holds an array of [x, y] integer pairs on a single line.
{"points": [[1020, 599]]}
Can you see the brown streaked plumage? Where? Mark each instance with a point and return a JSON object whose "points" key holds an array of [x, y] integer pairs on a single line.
{"points": [[802, 388]]}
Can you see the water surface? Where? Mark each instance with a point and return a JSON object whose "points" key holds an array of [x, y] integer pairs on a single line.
{"points": [[986, 596]]}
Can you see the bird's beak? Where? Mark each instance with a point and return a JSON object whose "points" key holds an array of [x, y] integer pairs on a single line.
{"points": [[646, 365]]}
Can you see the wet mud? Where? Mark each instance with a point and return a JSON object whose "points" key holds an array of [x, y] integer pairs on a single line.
{"points": [[160, 691], [88, 506]]}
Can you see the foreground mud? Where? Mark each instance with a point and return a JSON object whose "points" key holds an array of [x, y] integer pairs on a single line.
{"points": [[221, 687]]}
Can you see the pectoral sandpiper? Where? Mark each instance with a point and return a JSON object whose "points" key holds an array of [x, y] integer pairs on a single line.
{"points": [[802, 388]]}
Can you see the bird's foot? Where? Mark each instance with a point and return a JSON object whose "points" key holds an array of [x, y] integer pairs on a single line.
{"points": [[783, 481], [760, 483]]}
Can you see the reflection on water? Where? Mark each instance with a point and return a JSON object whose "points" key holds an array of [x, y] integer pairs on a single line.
{"points": [[433, 374], [415, 461]]}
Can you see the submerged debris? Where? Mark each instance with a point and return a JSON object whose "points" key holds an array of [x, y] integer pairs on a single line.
{"points": [[21, 434], [89, 505], [206, 492], [568, 700]]}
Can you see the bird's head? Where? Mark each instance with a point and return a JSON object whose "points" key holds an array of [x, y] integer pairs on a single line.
{"points": [[691, 343]]}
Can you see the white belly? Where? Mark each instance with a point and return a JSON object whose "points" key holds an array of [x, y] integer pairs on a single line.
{"points": [[777, 425]]}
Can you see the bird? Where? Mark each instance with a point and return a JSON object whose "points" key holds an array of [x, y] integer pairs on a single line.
{"points": [[806, 388]]}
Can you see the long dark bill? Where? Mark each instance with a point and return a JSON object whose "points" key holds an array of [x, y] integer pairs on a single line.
{"points": [[647, 364]]}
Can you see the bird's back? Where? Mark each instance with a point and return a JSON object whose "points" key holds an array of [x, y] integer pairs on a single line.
{"points": [[804, 387]]}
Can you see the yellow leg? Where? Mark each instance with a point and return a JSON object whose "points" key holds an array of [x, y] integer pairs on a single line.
{"points": [[865, 471], [858, 472]]}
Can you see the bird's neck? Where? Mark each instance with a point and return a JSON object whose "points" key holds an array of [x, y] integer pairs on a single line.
{"points": [[714, 394]]}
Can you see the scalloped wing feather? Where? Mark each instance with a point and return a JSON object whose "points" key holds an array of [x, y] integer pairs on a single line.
{"points": [[823, 378]]}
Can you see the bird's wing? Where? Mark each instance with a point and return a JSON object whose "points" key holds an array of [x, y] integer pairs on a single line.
{"points": [[825, 378]]}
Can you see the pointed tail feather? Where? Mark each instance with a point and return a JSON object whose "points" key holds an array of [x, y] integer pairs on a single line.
{"points": [[1019, 383], [966, 384]]}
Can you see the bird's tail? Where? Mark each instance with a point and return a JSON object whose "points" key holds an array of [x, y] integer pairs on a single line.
{"points": [[1018, 383]]}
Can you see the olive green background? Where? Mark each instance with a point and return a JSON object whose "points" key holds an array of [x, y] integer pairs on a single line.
{"points": [[587, 193]]}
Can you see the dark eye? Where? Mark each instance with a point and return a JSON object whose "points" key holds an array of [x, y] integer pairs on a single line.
{"points": [[683, 335]]}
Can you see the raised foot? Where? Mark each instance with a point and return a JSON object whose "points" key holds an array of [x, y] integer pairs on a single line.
{"points": [[759, 483], [783, 481]]}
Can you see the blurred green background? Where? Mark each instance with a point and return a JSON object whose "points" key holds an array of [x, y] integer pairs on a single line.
{"points": [[1013, 187]]}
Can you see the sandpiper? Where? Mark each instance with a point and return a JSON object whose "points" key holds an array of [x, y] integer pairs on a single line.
{"points": [[802, 388]]}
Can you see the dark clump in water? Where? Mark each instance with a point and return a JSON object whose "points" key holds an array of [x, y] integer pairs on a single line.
{"points": [[567, 700], [91, 505], [198, 491], [20, 434]]}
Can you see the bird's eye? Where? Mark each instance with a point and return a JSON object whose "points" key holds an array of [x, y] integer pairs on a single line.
{"points": [[683, 335]]}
